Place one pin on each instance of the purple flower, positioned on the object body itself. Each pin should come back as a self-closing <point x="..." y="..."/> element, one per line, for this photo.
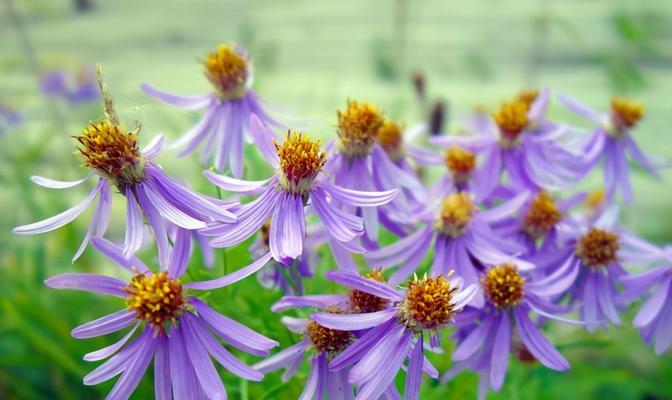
<point x="654" y="319"/>
<point x="463" y="239"/>
<point x="484" y="337"/>
<point x="79" y="88"/>
<point x="611" y="140"/>
<point x="9" y="118"/>
<point x="114" y="156"/>
<point x="358" y="162"/>
<point x="175" y="328"/>
<point x="228" y="109"/>
<point x="395" y="333"/>
<point x="519" y="140"/>
<point x="299" y="181"/>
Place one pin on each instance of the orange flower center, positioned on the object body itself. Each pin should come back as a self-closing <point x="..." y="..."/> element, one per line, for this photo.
<point x="625" y="113"/>
<point x="456" y="213"/>
<point x="542" y="215"/>
<point x="503" y="286"/>
<point x="598" y="248"/>
<point x="511" y="117"/>
<point x="301" y="159"/>
<point x="327" y="340"/>
<point x="362" y="302"/>
<point x="227" y="69"/>
<point x="156" y="299"/>
<point x="358" y="127"/>
<point x="428" y="304"/>
<point x="460" y="163"/>
<point x="390" y="139"/>
<point x="527" y="96"/>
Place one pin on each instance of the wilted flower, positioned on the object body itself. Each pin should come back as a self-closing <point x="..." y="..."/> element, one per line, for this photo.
<point x="177" y="329"/>
<point x="299" y="181"/>
<point x="114" y="156"/>
<point x="611" y="141"/>
<point x="229" y="107"/>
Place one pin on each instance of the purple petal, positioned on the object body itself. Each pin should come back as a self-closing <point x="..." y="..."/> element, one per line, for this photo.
<point x="537" y="344"/>
<point x="263" y="138"/>
<point x="500" y="355"/>
<point x="401" y="250"/>
<point x="185" y="102"/>
<point x="169" y="211"/>
<point x="182" y="376"/>
<point x="236" y="185"/>
<point x="88" y="283"/>
<point x="233" y="277"/>
<point x="316" y="300"/>
<point x="54" y="184"/>
<point x="194" y="136"/>
<point x="61" y="219"/>
<point x="162" y="384"/>
<point x="579" y="108"/>
<point x="357" y="350"/>
<point x="355" y="281"/>
<point x="605" y="300"/>
<point x="473" y="341"/>
<point x="652" y="308"/>
<point x="539" y="106"/>
<point x="111" y="349"/>
<point x="282" y="358"/>
<point x="414" y="373"/>
<point x="340" y="225"/>
<point x="359" y="198"/>
<point x="506" y="209"/>
<point x="158" y="226"/>
<point x="639" y="156"/>
<point x="353" y="322"/>
<point x="134" y="225"/>
<point x="311" y="384"/>
<point x="663" y="338"/>
<point x="104" y="325"/>
<point x="117" y="364"/>
<point x="154" y="147"/>
<point x="288" y="229"/>
<point x="179" y="259"/>
<point x="116" y="254"/>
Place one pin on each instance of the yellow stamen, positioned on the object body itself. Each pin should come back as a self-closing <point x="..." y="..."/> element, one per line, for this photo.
<point x="512" y="119"/>
<point x="456" y="213"/>
<point x="503" y="286"/>
<point x="460" y="163"/>
<point x="598" y="248"/>
<point x="527" y="96"/>
<point x="326" y="340"/>
<point x="358" y="126"/>
<point x="227" y="69"/>
<point x="155" y="298"/>
<point x="362" y="302"/>
<point x="428" y="303"/>
<point x="390" y="138"/>
<point x="595" y="199"/>
<point x="301" y="159"/>
<point x="542" y="215"/>
<point x="625" y="113"/>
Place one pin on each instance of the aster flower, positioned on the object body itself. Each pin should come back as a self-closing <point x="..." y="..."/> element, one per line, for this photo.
<point x="462" y="236"/>
<point x="487" y="336"/>
<point x="654" y="318"/>
<point x="325" y="343"/>
<point x="115" y="158"/>
<point x="9" y="118"/>
<point x="359" y="162"/>
<point x="612" y="141"/>
<point x="519" y="140"/>
<point x="396" y="332"/>
<point x="300" y="180"/>
<point x="73" y="88"/>
<point x="228" y="109"/>
<point x="168" y="323"/>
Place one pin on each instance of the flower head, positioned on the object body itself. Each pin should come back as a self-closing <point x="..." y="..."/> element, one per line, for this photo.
<point x="301" y="159"/>
<point x="625" y="113"/>
<point x="428" y="303"/>
<point x="358" y="127"/>
<point x="511" y="118"/>
<point x="503" y="286"/>
<point x="228" y="70"/>
<point x="363" y="302"/>
<point x="327" y="340"/>
<point x="598" y="248"/>
<point x="527" y="96"/>
<point x="456" y="213"/>
<point x="542" y="216"/>
<point x="155" y="298"/>
<point x="460" y="162"/>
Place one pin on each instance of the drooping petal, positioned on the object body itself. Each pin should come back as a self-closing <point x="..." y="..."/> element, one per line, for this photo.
<point x="263" y="138"/>
<point x="340" y="225"/>
<point x="116" y="254"/>
<point x="185" y="102"/>
<point x="154" y="147"/>
<point x="288" y="229"/>
<point x="235" y="185"/>
<point x="414" y="373"/>
<point x="111" y="349"/>
<point x="500" y="356"/>
<point x="537" y="344"/>
<point x="134" y="225"/>
<point x="358" y="197"/>
<point x="399" y="251"/>
<point x="169" y="211"/>
<point x="54" y="184"/>
<point x="182" y="376"/>
<point x="119" y="362"/>
<point x="357" y="350"/>
<point x="104" y="325"/>
<point x="579" y="108"/>
<point x="473" y="341"/>
<point x="353" y="322"/>
<point x="179" y="259"/>
<point x="313" y="380"/>
<point x="88" y="283"/>
<point x="355" y="281"/>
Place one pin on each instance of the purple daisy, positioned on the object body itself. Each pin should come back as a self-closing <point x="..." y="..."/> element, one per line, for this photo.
<point x="73" y="88"/>
<point x="612" y="141"/>
<point x="359" y="162"/>
<point x="300" y="180"/>
<point x="228" y="112"/>
<point x="174" y="327"/>
<point x="463" y="238"/>
<point x="114" y="156"/>
<point x="395" y="333"/>
<point x="654" y="318"/>
<point x="485" y="336"/>
<point x="519" y="140"/>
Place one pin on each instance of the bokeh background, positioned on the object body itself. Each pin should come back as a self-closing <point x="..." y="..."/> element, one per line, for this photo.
<point x="309" y="57"/>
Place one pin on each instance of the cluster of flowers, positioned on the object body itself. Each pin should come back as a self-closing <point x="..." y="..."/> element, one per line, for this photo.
<point x="508" y="254"/>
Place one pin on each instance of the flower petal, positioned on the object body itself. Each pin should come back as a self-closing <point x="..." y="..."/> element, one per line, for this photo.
<point x="54" y="184"/>
<point x="366" y="285"/>
<point x="353" y="322"/>
<point x="88" y="283"/>
<point x="185" y="102"/>
<point x="104" y="325"/>
<point x="233" y="277"/>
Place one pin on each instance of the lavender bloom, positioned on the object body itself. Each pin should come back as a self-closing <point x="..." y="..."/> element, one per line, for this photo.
<point x="9" y="118"/>
<point x="79" y="88"/>
<point x="484" y="337"/>
<point x="654" y="319"/>
<point x="113" y="154"/>
<point x="519" y="140"/>
<point x="175" y="328"/>
<point x="611" y="141"/>
<point x="396" y="332"/>
<point x="463" y="238"/>
<point x="228" y="109"/>
<point x="358" y="162"/>
<point x="299" y="181"/>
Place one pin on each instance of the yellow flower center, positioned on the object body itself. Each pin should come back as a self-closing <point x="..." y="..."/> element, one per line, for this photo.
<point x="301" y="159"/>
<point x="362" y="302"/>
<point x="460" y="163"/>
<point x="527" y="96"/>
<point x="327" y="340"/>
<point x="542" y="215"/>
<point x="428" y="304"/>
<point x="598" y="248"/>
<point x="390" y="139"/>
<point x="456" y="213"/>
<point x="112" y="151"/>
<point x="595" y="199"/>
<point x="625" y="113"/>
<point x="156" y="299"/>
<point x="227" y="69"/>
<point x="511" y="117"/>
<point x="503" y="286"/>
<point x="358" y="127"/>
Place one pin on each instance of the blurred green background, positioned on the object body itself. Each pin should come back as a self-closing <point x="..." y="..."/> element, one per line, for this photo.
<point x="309" y="57"/>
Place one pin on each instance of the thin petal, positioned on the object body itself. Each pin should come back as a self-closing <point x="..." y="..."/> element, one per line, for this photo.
<point x="116" y="254"/>
<point x="537" y="344"/>
<point x="414" y="373"/>
<point x="54" y="184"/>
<point x="233" y="277"/>
<point x="353" y="322"/>
<point x="185" y="102"/>
<point x="500" y="355"/>
<point x="104" y="325"/>
<point x="359" y="198"/>
<point x="355" y="281"/>
<point x="88" y="283"/>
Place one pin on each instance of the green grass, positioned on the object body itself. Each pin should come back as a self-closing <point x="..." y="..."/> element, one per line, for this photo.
<point x="310" y="57"/>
